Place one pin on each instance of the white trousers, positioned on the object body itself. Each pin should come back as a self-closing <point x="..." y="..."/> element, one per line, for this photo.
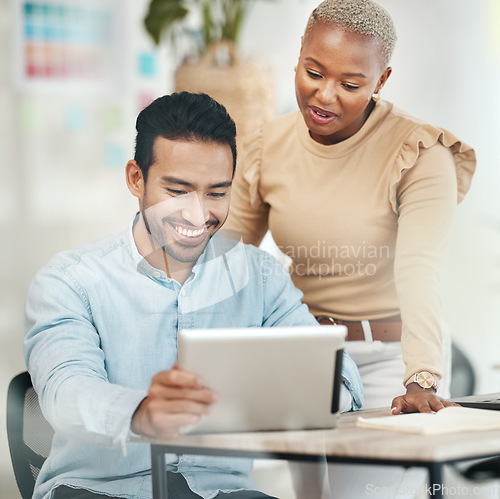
<point x="382" y="370"/>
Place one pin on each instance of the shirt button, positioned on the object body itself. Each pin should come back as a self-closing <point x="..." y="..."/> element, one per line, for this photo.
<point x="157" y="274"/>
<point x="183" y="292"/>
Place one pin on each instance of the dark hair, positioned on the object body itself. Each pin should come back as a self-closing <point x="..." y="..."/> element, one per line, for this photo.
<point x="186" y="116"/>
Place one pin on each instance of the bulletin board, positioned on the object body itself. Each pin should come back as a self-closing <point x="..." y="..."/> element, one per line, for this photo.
<point x="65" y="44"/>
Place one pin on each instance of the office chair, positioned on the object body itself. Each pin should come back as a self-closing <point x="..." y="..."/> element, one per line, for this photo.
<point x="29" y="433"/>
<point x="463" y="377"/>
<point x="463" y="382"/>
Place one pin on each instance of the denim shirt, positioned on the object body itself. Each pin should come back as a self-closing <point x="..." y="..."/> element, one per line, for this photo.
<point x="101" y="322"/>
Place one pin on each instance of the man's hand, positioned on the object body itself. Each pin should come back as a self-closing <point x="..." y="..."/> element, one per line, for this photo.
<point x="418" y="399"/>
<point x="175" y="398"/>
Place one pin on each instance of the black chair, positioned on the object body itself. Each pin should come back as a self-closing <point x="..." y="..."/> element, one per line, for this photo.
<point x="29" y="433"/>
<point x="463" y="377"/>
<point x="463" y="383"/>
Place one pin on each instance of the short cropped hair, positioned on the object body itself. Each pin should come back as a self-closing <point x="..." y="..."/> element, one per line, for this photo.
<point x="365" y="17"/>
<point x="182" y="116"/>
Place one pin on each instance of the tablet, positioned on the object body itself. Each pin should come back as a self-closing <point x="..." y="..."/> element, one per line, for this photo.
<point x="278" y="378"/>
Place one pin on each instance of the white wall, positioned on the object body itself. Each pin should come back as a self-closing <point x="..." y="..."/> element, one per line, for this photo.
<point x="55" y="193"/>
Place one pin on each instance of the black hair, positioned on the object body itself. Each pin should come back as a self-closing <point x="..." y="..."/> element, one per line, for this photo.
<point x="185" y="116"/>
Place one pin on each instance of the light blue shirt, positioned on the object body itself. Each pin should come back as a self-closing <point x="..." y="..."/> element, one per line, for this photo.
<point x="101" y="321"/>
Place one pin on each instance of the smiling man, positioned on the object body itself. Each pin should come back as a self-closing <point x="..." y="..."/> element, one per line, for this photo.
<point x="183" y="203"/>
<point x="102" y="320"/>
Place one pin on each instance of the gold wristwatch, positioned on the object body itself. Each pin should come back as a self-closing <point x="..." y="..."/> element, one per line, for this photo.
<point x="424" y="379"/>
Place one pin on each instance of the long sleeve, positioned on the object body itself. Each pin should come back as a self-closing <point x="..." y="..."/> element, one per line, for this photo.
<point x="67" y="365"/>
<point x="427" y="198"/>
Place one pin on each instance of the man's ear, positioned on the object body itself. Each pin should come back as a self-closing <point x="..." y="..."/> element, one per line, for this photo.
<point x="134" y="179"/>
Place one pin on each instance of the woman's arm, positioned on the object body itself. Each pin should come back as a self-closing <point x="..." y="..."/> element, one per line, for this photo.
<point x="427" y="198"/>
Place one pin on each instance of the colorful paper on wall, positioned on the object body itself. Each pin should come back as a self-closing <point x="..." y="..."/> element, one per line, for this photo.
<point x="112" y="118"/>
<point x="145" y="99"/>
<point x="66" y="40"/>
<point x="115" y="155"/>
<point x="147" y="64"/>
<point x="75" y="119"/>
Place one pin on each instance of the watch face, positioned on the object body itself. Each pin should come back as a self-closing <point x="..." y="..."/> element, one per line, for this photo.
<point x="425" y="379"/>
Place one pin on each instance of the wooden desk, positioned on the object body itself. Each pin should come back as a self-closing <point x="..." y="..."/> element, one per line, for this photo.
<point x="345" y="444"/>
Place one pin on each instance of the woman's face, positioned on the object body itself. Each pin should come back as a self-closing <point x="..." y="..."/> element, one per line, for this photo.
<point x="337" y="74"/>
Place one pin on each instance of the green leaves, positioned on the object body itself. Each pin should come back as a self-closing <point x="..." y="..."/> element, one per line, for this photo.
<point x="221" y="19"/>
<point x="234" y="12"/>
<point x="162" y="15"/>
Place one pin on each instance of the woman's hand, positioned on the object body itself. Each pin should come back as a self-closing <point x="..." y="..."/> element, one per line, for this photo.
<point x="176" y="398"/>
<point x="419" y="399"/>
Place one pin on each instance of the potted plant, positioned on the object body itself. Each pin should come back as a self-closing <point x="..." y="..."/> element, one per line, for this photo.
<point x="210" y="61"/>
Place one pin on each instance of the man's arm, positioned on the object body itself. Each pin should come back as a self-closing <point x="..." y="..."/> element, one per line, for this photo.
<point x="67" y="364"/>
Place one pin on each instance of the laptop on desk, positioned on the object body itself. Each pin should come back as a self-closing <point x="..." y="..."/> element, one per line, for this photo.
<point x="488" y="401"/>
<point x="279" y="378"/>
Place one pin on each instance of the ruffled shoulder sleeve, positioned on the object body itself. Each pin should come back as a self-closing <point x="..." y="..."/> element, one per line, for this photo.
<point x="424" y="136"/>
<point x="248" y="213"/>
<point x="249" y="165"/>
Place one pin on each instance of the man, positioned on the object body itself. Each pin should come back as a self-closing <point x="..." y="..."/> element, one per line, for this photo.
<point x="102" y="320"/>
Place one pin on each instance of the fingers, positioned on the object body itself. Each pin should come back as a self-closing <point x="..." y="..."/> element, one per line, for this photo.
<point x="166" y="425"/>
<point x="178" y="406"/>
<point x="409" y="403"/>
<point x="437" y="403"/>
<point x="423" y="406"/>
<point x="178" y="377"/>
<point x="421" y="401"/>
<point x="434" y="403"/>
<point x="175" y="398"/>
<point x="201" y="395"/>
<point x="449" y="403"/>
<point x="180" y="385"/>
<point x="398" y="405"/>
<point x="164" y="419"/>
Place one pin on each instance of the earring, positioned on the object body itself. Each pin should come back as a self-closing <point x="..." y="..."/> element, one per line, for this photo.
<point x="376" y="97"/>
<point x="295" y="68"/>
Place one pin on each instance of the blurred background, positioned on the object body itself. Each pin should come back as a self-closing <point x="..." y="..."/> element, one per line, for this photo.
<point x="75" y="73"/>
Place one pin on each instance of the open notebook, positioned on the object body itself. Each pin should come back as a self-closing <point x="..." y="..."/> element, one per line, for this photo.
<point x="447" y="420"/>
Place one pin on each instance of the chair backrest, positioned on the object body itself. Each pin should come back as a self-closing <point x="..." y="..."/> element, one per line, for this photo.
<point x="29" y="433"/>
<point x="463" y="377"/>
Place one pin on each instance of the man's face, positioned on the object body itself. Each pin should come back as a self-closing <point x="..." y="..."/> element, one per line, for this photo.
<point x="185" y="199"/>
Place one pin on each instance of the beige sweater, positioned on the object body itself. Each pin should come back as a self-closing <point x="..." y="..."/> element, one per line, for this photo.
<point x="365" y="221"/>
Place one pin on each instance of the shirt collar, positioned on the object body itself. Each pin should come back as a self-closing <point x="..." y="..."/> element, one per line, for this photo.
<point x="217" y="246"/>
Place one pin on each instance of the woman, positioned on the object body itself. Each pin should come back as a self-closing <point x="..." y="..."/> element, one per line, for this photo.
<point x="361" y="196"/>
